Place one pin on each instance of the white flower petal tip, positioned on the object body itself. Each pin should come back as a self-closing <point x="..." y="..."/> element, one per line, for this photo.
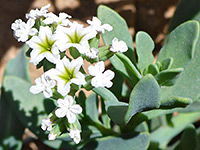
<point x="44" y="46"/>
<point x="52" y="136"/>
<point x="36" y="13"/>
<point x="75" y="135"/>
<point x="59" y="20"/>
<point x="23" y="30"/>
<point x="118" y="46"/>
<point x="66" y="73"/>
<point x="96" y="25"/>
<point x="101" y="79"/>
<point x="68" y="109"/>
<point x="43" y="84"/>
<point x="46" y="124"/>
<point x="93" y="53"/>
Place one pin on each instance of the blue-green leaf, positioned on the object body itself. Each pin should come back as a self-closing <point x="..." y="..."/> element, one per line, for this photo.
<point x="91" y="104"/>
<point x="19" y="66"/>
<point x="138" y="141"/>
<point x="29" y="108"/>
<point x="186" y="10"/>
<point x="145" y="95"/>
<point x="180" y="44"/>
<point x="168" y="77"/>
<point x="12" y="129"/>
<point x="120" y="29"/>
<point x="126" y="67"/>
<point x="188" y="139"/>
<point x="165" y="133"/>
<point x="115" y="109"/>
<point x="144" y="48"/>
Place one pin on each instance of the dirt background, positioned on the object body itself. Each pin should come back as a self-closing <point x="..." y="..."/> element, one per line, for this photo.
<point x="151" y="16"/>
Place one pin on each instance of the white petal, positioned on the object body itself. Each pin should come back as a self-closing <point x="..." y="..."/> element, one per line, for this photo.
<point x="69" y="99"/>
<point x="71" y="117"/>
<point x="108" y="84"/>
<point x="60" y="112"/>
<point x="76" y="109"/>
<point x="47" y="93"/>
<point x="107" y="27"/>
<point x="35" y="89"/>
<point x="62" y="103"/>
<point x="50" y="57"/>
<point x="52" y="137"/>
<point x="108" y="74"/>
<point x="66" y="89"/>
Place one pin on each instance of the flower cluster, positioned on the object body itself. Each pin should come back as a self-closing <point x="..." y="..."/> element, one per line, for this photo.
<point x="49" y="37"/>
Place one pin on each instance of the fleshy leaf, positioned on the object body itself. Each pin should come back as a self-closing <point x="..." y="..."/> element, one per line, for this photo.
<point x="186" y="10"/>
<point x="129" y="142"/>
<point x="29" y="108"/>
<point x="180" y="44"/>
<point x="12" y="129"/>
<point x="175" y="102"/>
<point x="188" y="139"/>
<point x="91" y="104"/>
<point x="115" y="109"/>
<point x="168" y="77"/>
<point x="145" y="95"/>
<point x="19" y="66"/>
<point x="144" y="48"/>
<point x="120" y="29"/>
<point x="167" y="63"/>
<point x="126" y="68"/>
<point x="153" y="69"/>
<point x="165" y="133"/>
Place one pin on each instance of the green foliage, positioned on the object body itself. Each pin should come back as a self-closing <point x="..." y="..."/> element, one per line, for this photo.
<point x="116" y="110"/>
<point x="11" y="128"/>
<point x="91" y="108"/>
<point x="145" y="95"/>
<point x="187" y="84"/>
<point x="129" y="141"/>
<point x="186" y="10"/>
<point x="168" y="77"/>
<point x="126" y="68"/>
<point x="180" y="44"/>
<point x="140" y="104"/>
<point x="188" y="139"/>
<point x="120" y="29"/>
<point x="144" y="48"/>
<point x="164" y="134"/>
<point x="26" y="106"/>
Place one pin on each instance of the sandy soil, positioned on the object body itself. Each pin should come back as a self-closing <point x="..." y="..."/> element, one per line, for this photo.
<point x="152" y="16"/>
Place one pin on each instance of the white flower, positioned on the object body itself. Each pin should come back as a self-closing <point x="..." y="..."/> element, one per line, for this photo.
<point x="67" y="72"/>
<point x="44" y="46"/>
<point x="118" y="46"/>
<point x="101" y="79"/>
<point x="35" y="14"/>
<point x="46" y="124"/>
<point x="16" y="24"/>
<point x="68" y="109"/>
<point x="96" y="25"/>
<point x="43" y="84"/>
<point x="93" y="53"/>
<point x="52" y="136"/>
<point x="61" y="20"/>
<point x="75" y="135"/>
<point x="23" y="30"/>
<point x="74" y="36"/>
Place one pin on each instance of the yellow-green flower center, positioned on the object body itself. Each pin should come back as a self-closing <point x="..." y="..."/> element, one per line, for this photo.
<point x="75" y="37"/>
<point x="67" y="75"/>
<point x="46" y="45"/>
